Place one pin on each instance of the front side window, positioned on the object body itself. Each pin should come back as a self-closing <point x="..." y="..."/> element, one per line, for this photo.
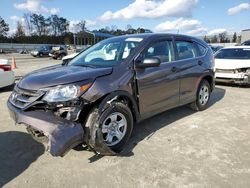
<point x="107" y="53"/>
<point x="163" y="50"/>
<point x="236" y="53"/>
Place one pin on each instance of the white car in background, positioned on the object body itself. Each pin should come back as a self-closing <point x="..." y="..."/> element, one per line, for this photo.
<point x="232" y="65"/>
<point x="7" y="76"/>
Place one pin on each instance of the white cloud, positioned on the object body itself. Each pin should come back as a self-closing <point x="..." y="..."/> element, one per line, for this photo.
<point x="217" y="31"/>
<point x="152" y="9"/>
<point x="11" y="32"/>
<point x="90" y="23"/>
<point x="35" y="6"/>
<point x="179" y="24"/>
<point x="239" y="8"/>
<point x="199" y="31"/>
<point x="15" y="18"/>
<point x="54" y="10"/>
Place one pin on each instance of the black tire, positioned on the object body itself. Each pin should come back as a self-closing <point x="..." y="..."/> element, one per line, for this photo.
<point x="197" y="105"/>
<point x="40" y="55"/>
<point x="95" y="119"/>
<point x="60" y="56"/>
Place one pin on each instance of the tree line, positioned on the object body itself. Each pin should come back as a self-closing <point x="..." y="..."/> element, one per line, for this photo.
<point x="36" y="28"/>
<point x="223" y="38"/>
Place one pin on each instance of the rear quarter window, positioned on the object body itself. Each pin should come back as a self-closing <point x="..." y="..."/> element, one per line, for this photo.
<point x="201" y="50"/>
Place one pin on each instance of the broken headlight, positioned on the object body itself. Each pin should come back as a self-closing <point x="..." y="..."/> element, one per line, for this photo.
<point x="65" y="93"/>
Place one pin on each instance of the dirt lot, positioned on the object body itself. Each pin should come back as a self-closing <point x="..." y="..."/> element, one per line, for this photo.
<point x="178" y="148"/>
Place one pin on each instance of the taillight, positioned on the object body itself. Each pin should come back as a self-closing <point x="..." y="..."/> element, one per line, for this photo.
<point x="5" y="67"/>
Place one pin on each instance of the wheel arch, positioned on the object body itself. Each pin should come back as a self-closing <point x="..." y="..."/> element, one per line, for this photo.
<point x="210" y="80"/>
<point x="208" y="77"/>
<point x="121" y="96"/>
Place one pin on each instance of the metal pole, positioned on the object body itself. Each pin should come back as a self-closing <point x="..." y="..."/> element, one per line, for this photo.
<point x="74" y="35"/>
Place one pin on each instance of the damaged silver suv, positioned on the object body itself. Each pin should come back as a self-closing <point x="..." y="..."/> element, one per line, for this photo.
<point x="97" y="97"/>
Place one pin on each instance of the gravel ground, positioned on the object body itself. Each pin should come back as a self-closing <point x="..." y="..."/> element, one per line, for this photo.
<point x="178" y="148"/>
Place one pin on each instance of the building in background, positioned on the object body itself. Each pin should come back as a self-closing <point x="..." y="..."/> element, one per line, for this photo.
<point x="245" y="35"/>
<point x="90" y="38"/>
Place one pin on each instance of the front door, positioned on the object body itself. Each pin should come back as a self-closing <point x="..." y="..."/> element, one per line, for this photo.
<point x="158" y="87"/>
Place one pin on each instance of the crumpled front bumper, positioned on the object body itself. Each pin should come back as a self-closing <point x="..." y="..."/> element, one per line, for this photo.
<point x="237" y="78"/>
<point x="62" y="134"/>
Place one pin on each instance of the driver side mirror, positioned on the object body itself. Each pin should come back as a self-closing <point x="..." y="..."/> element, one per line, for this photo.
<point x="149" y="62"/>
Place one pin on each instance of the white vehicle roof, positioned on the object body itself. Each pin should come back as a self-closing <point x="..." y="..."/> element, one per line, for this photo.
<point x="235" y="47"/>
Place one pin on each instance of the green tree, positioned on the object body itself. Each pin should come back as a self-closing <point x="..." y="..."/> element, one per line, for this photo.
<point x="82" y="25"/>
<point x="63" y="25"/>
<point x="223" y="37"/>
<point x="58" y="25"/>
<point x="214" y="39"/>
<point x="27" y="23"/>
<point x="19" y="30"/>
<point x="39" y="23"/>
<point x="206" y="39"/>
<point x="4" y="27"/>
<point x="54" y="20"/>
<point x="234" y="37"/>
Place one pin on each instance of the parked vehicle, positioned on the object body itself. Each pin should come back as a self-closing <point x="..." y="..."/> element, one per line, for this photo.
<point x="7" y="77"/>
<point x="233" y="65"/>
<point x="246" y="43"/>
<point x="42" y="51"/>
<point x="68" y="58"/>
<point x="23" y="51"/>
<point x="58" y="52"/>
<point x="97" y="97"/>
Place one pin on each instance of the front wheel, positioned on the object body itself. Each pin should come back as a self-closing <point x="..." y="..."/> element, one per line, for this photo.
<point x="202" y="96"/>
<point x="115" y="125"/>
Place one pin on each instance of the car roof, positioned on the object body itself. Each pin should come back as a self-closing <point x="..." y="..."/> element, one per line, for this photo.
<point x="152" y="35"/>
<point x="147" y="35"/>
<point x="237" y="47"/>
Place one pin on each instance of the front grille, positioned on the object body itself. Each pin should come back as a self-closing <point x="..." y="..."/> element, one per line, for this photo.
<point x="225" y="71"/>
<point x="23" y="99"/>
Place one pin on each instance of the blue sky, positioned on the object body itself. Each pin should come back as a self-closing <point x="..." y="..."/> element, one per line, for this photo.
<point x="195" y="17"/>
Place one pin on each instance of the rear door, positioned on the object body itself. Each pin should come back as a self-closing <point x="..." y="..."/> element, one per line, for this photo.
<point x="190" y="57"/>
<point x="158" y="87"/>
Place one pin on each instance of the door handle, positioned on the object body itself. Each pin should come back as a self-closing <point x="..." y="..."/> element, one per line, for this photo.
<point x="200" y="62"/>
<point x="174" y="69"/>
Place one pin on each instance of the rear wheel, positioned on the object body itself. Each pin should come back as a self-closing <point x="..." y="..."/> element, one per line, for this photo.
<point x="202" y="96"/>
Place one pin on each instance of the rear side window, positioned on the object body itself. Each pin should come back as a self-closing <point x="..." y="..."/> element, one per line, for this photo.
<point x="236" y="53"/>
<point x="163" y="50"/>
<point x="187" y="50"/>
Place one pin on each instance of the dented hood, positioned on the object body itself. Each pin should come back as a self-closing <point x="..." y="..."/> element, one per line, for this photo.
<point x="232" y="63"/>
<point x="60" y="75"/>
